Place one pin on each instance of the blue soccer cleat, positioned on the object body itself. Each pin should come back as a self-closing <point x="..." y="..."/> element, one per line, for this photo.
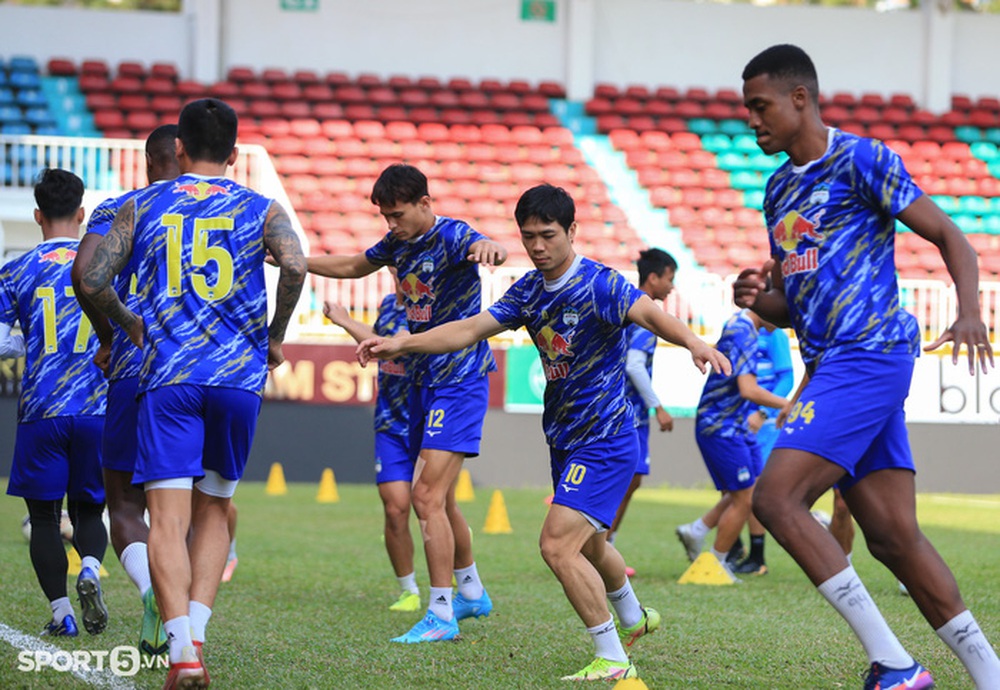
<point x="430" y="629"/>
<point x="66" y="628"/>
<point x="884" y="678"/>
<point x="94" y="612"/>
<point x="471" y="608"/>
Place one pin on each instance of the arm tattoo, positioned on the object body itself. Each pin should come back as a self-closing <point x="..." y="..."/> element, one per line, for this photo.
<point x="110" y="257"/>
<point x="283" y="243"/>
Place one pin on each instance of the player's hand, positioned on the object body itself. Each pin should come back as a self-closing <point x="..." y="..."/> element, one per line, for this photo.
<point x="274" y="354"/>
<point x="487" y="253"/>
<point x="102" y="359"/>
<point x="755" y="422"/>
<point x="136" y="331"/>
<point x="750" y="283"/>
<point x="335" y="312"/>
<point x="270" y="260"/>
<point x="970" y="331"/>
<point x="704" y="354"/>
<point x="665" y="420"/>
<point x="782" y="417"/>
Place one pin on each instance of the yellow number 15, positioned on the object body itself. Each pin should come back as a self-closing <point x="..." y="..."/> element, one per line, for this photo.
<point x="201" y="254"/>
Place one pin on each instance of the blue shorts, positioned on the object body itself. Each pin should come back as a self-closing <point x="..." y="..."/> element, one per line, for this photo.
<point x="56" y="457"/>
<point x="119" y="445"/>
<point x="393" y="462"/>
<point x="186" y="429"/>
<point x="642" y="466"/>
<point x="734" y="462"/>
<point x="594" y="478"/>
<point x="851" y="413"/>
<point x="766" y="437"/>
<point x="448" y="417"/>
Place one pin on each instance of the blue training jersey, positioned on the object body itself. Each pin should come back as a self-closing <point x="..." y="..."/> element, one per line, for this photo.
<point x="60" y="379"/>
<point x="578" y="325"/>
<point x="439" y="285"/>
<point x="722" y="411"/>
<point x="832" y="230"/>
<point x="638" y="338"/>
<point x="392" y="411"/>
<point x="199" y="248"/>
<point x="774" y="365"/>
<point x="126" y="358"/>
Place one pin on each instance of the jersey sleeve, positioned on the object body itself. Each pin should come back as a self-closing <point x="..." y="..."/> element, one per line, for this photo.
<point x="885" y="183"/>
<point x="458" y="243"/>
<point x="613" y="297"/>
<point x="743" y="351"/>
<point x="102" y="217"/>
<point x="381" y="254"/>
<point x="508" y="309"/>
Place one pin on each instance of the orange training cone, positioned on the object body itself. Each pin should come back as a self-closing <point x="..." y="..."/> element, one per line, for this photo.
<point x="497" y="521"/>
<point x="276" y="481"/>
<point x="327" y="488"/>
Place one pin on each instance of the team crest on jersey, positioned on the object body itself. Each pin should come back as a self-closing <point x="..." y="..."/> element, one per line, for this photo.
<point x="820" y="195"/>
<point x="427" y="265"/>
<point x="570" y="317"/>
<point x="59" y="255"/>
<point x="200" y="190"/>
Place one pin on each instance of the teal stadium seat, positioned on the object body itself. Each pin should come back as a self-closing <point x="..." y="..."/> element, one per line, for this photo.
<point x="968" y="133"/>
<point x="947" y="203"/>
<point x="733" y="127"/>
<point x="702" y="126"/>
<point x="716" y="143"/>
<point x="984" y="150"/>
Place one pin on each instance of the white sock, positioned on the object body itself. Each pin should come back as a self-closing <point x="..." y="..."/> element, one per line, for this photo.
<point x="721" y="555"/>
<point x="606" y="642"/>
<point x="848" y="595"/>
<point x="135" y="560"/>
<point x="963" y="635"/>
<point x="178" y="636"/>
<point x="699" y="529"/>
<point x="93" y="564"/>
<point x="611" y="537"/>
<point x="626" y="605"/>
<point x="469" y="584"/>
<point x="61" y="608"/>
<point x="408" y="583"/>
<point x="440" y="603"/>
<point x="232" y="550"/>
<point x="199" y="615"/>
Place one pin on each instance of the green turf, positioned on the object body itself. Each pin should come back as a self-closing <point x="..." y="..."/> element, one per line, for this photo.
<point x="307" y="607"/>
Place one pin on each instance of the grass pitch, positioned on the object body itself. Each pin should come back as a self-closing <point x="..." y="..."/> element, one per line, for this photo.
<point x="308" y="605"/>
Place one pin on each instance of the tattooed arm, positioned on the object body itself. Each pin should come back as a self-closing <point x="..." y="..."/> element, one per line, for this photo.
<point x="109" y="258"/>
<point x="281" y="240"/>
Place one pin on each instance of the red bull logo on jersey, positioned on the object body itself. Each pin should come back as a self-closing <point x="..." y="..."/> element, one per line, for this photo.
<point x="789" y="233"/>
<point x="391" y="367"/>
<point x="554" y="345"/>
<point x="60" y="255"/>
<point x="415" y="290"/>
<point x="200" y="190"/>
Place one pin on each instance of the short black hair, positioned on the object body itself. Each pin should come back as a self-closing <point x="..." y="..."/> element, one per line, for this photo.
<point x="785" y="63"/>
<point x="654" y="262"/>
<point x="547" y="203"/>
<point x="207" y="128"/>
<point x="160" y="145"/>
<point x="399" y="184"/>
<point x="58" y="193"/>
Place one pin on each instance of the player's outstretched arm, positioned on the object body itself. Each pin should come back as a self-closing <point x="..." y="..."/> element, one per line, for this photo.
<point x="281" y="240"/>
<point x="487" y="253"/>
<point x="763" y="290"/>
<point x="927" y="220"/>
<point x="448" y="337"/>
<point x="645" y="313"/>
<point x="755" y="393"/>
<point x="339" y="315"/>
<point x="109" y="258"/>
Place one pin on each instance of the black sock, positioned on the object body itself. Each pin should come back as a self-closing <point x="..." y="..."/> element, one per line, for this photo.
<point x="756" y="548"/>
<point x="48" y="555"/>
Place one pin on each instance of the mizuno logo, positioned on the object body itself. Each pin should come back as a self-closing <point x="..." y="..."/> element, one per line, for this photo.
<point x="567" y="488"/>
<point x="432" y="434"/>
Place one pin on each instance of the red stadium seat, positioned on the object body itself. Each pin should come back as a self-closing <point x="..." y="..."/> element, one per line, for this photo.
<point x="95" y="68"/>
<point x="61" y="67"/>
<point x="163" y="70"/>
<point x="130" y="69"/>
<point x="240" y="74"/>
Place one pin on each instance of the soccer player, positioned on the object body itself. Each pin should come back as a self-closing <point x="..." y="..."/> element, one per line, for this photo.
<point x="728" y="446"/>
<point x="120" y="360"/>
<point x="198" y="244"/>
<point x="61" y="408"/>
<point x="576" y="311"/>
<point x="393" y="460"/>
<point x="656" y="278"/>
<point x="437" y="261"/>
<point x="831" y="211"/>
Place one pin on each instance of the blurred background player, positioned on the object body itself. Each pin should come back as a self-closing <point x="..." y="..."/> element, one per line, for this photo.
<point x="728" y="446"/>
<point x="120" y="360"/>
<point x="576" y="312"/>
<point x="199" y="244"/>
<point x="57" y="450"/>
<point x="231" y="559"/>
<point x="437" y="260"/>
<point x="393" y="460"/>
<point x="656" y="278"/>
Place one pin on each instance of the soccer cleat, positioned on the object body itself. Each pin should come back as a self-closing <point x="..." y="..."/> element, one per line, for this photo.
<point x="750" y="567"/>
<point x="430" y="629"/>
<point x="469" y="608"/>
<point x="153" y="638"/>
<point x="94" y="612"/>
<point x="231" y="564"/>
<point x="408" y="602"/>
<point x="647" y="625"/>
<point x="691" y="543"/>
<point x="736" y="553"/>
<point x="902" y="589"/>
<point x="65" y="628"/>
<point x="605" y="669"/>
<point x="201" y="657"/>
<point x="884" y="678"/>
<point x="187" y="674"/>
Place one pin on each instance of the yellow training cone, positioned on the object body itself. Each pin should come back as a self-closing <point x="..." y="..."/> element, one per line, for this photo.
<point x="327" y="488"/>
<point x="497" y="521"/>
<point x="76" y="565"/>
<point x="707" y="570"/>
<point x="276" y="481"/>
<point x="630" y="684"/>
<point x="463" y="489"/>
